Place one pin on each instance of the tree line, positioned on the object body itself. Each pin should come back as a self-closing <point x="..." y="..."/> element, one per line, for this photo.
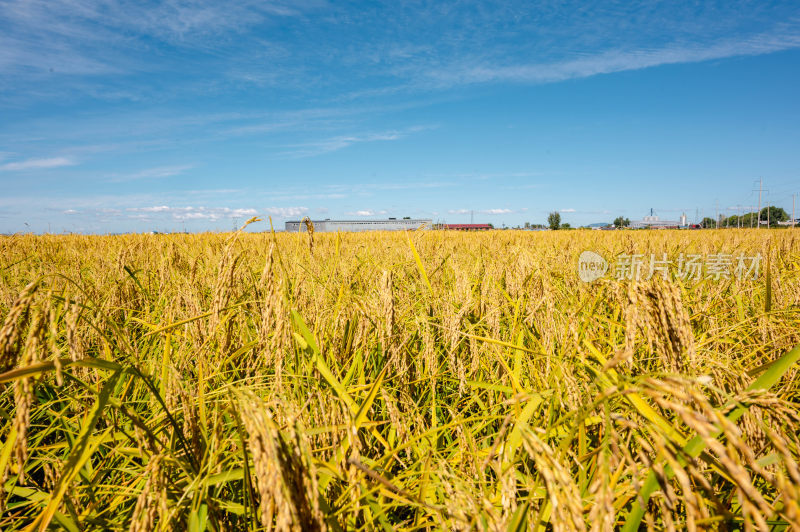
<point x="769" y="216"/>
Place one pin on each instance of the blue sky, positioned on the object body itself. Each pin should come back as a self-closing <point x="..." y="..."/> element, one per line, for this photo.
<point x="123" y="115"/>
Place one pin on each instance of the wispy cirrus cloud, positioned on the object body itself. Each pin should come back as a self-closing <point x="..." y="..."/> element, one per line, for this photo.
<point x="339" y="142"/>
<point x="616" y="60"/>
<point x="158" y="172"/>
<point x="37" y="164"/>
<point x="89" y="38"/>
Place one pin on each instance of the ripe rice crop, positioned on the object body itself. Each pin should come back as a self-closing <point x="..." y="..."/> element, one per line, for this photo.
<point x="429" y="380"/>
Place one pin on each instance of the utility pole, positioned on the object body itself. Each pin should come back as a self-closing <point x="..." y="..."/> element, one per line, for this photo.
<point x="760" y="188"/>
<point x="767" y="215"/>
<point x="717" y="207"/>
<point x="793" y="195"/>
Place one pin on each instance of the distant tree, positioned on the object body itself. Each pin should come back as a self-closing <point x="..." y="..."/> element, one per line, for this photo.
<point x="708" y="223"/>
<point x="619" y="221"/>
<point x="527" y="225"/>
<point x="554" y="220"/>
<point x="490" y="226"/>
<point x="749" y="219"/>
<point x="773" y="215"/>
<point x="566" y="226"/>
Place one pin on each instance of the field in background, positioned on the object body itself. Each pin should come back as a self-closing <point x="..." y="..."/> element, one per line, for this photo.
<point x="397" y="381"/>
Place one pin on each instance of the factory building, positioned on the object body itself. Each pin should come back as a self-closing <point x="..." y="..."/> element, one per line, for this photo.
<point x="392" y="224"/>
<point x="654" y="222"/>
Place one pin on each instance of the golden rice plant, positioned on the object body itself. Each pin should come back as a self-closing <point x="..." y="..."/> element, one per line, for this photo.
<point x="396" y="381"/>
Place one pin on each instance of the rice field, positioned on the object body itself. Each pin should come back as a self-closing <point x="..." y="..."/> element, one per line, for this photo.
<point x="398" y="381"/>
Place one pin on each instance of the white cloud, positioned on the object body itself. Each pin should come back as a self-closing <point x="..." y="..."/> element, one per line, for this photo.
<point x="286" y="212"/>
<point x="567" y="210"/>
<point x="196" y="213"/>
<point x="496" y="211"/>
<point x="37" y="164"/>
<point x="158" y="208"/>
<point x="244" y="212"/>
<point x="70" y="211"/>
<point x="458" y="211"/>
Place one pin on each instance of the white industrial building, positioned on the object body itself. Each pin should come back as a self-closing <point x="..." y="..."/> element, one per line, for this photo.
<point x="654" y="222"/>
<point x="392" y="224"/>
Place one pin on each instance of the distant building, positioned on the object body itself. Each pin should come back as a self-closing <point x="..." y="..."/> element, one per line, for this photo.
<point x="654" y="222"/>
<point x="392" y="224"/>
